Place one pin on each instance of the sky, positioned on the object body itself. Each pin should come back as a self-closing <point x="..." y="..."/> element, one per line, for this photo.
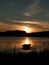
<point x="24" y="15"/>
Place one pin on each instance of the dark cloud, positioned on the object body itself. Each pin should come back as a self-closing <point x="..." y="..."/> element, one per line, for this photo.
<point x="14" y="9"/>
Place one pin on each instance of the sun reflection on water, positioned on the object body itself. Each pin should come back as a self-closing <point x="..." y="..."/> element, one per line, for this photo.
<point x="27" y="41"/>
<point x="37" y="44"/>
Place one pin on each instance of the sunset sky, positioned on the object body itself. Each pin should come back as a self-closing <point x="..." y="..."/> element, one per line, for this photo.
<point x="26" y="15"/>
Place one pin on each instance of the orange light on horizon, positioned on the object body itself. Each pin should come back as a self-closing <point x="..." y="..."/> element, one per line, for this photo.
<point x="27" y="29"/>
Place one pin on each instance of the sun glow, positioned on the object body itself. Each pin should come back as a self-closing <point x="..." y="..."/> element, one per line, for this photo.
<point x="27" y="29"/>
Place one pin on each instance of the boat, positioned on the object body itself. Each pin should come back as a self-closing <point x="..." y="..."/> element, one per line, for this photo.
<point x="26" y="46"/>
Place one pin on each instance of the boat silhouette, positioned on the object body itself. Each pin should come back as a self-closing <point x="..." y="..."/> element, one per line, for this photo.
<point x="26" y="46"/>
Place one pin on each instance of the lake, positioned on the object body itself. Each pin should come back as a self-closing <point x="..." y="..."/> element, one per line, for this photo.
<point x="14" y="44"/>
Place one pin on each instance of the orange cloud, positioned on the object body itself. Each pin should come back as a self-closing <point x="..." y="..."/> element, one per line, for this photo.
<point x="33" y="26"/>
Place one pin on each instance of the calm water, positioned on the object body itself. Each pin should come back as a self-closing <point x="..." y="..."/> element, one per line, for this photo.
<point x="11" y="44"/>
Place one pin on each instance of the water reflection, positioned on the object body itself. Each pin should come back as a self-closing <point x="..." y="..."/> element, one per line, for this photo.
<point x="26" y="41"/>
<point x="15" y="44"/>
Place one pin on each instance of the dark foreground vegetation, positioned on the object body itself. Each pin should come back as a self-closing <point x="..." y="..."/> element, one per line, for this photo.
<point x="25" y="58"/>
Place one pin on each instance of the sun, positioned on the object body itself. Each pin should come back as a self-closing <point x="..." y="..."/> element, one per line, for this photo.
<point x="27" y="29"/>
